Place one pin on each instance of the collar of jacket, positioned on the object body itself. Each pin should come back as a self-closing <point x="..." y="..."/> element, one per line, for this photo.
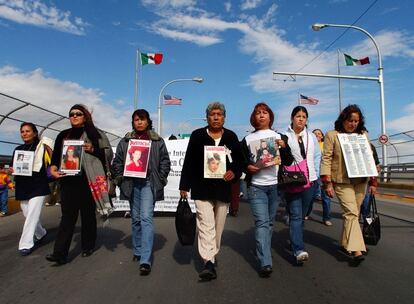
<point x="151" y="134"/>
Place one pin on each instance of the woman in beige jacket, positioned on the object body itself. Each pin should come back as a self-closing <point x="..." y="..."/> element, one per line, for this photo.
<point x="350" y="191"/>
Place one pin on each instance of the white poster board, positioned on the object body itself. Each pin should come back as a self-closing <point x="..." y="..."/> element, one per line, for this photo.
<point x="214" y="161"/>
<point x="23" y="163"/>
<point x="358" y="156"/>
<point x="71" y="158"/>
<point x="264" y="152"/>
<point x="136" y="162"/>
<point x="176" y="150"/>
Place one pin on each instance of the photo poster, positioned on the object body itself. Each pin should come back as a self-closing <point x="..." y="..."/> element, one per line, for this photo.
<point x="176" y="150"/>
<point x="136" y="162"/>
<point x="357" y="154"/>
<point x="264" y="152"/>
<point x="23" y="163"/>
<point x="214" y="161"/>
<point x="71" y="158"/>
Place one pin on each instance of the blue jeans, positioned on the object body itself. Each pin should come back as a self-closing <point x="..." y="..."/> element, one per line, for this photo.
<point x="263" y="201"/>
<point x="298" y="204"/>
<point x="365" y="206"/>
<point x="3" y="200"/>
<point x="142" y="211"/>
<point x="326" y="206"/>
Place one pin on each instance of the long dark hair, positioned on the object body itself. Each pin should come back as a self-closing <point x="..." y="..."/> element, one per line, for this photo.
<point x="264" y="106"/>
<point x="89" y="126"/>
<point x="296" y="110"/>
<point x="33" y="127"/>
<point x="142" y="114"/>
<point x="346" y="114"/>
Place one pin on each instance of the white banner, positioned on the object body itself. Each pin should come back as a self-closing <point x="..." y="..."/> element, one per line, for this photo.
<point x="176" y="150"/>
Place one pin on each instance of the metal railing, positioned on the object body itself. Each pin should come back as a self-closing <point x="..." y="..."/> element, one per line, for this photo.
<point x="398" y="173"/>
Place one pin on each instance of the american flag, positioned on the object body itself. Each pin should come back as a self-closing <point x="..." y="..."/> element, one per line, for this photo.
<point x="308" y="100"/>
<point x="171" y="100"/>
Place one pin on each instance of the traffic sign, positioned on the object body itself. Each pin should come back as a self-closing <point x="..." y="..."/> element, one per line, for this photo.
<point x="383" y="139"/>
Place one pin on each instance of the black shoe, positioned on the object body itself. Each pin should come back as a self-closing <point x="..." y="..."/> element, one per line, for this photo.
<point x="136" y="258"/>
<point x="37" y="241"/>
<point x="145" y="269"/>
<point x="265" y="271"/>
<point x="58" y="260"/>
<point x="208" y="273"/>
<point x="86" y="253"/>
<point x="233" y="213"/>
<point x="25" y="252"/>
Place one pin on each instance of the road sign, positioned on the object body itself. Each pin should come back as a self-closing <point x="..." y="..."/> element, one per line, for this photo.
<point x="383" y="139"/>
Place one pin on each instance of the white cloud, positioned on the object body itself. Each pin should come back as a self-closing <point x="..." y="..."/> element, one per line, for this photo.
<point x="39" y="14"/>
<point x="168" y="3"/>
<point x="404" y="122"/>
<point x="58" y="96"/>
<point x="390" y="43"/>
<point x="227" y="6"/>
<point x="250" y="4"/>
<point x="201" y="40"/>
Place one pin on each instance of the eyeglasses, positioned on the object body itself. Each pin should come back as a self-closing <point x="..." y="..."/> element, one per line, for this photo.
<point x="75" y="114"/>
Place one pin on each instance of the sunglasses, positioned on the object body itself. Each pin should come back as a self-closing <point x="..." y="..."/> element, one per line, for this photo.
<point x="75" y="114"/>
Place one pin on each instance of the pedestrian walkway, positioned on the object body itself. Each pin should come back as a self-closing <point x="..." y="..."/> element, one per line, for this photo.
<point x="110" y="276"/>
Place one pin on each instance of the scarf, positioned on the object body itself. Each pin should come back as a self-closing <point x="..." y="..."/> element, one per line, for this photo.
<point x="95" y="173"/>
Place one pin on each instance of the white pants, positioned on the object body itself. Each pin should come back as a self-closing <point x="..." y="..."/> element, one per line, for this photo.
<point x="211" y="217"/>
<point x="31" y="210"/>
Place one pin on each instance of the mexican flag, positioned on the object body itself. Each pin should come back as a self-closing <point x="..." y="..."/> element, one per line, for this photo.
<point x="352" y="61"/>
<point x="151" y="58"/>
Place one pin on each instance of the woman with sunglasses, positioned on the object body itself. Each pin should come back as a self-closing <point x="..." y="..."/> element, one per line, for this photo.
<point x="81" y="192"/>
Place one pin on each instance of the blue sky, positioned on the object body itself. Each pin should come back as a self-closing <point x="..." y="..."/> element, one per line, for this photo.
<point x="57" y="53"/>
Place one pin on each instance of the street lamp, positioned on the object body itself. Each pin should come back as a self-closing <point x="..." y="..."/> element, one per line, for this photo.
<point x="319" y="26"/>
<point x="195" y="79"/>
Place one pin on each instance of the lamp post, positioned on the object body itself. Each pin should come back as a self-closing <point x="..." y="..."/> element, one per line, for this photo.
<point x="195" y="79"/>
<point x="319" y="26"/>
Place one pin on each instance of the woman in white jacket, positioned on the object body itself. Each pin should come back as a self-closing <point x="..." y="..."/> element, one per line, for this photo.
<point x="304" y="146"/>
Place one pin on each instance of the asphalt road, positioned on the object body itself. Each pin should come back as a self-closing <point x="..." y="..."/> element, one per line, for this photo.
<point x="109" y="275"/>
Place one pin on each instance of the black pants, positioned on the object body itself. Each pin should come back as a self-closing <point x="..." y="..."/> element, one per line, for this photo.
<point x="75" y="196"/>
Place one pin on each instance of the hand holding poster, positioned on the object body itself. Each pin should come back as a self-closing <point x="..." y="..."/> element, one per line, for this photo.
<point x="214" y="161"/>
<point x="23" y="163"/>
<point x="264" y="152"/>
<point x="71" y="157"/>
<point x="136" y="163"/>
<point x="357" y="154"/>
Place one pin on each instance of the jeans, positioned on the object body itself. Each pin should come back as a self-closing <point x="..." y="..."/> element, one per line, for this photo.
<point x="263" y="201"/>
<point x="3" y="200"/>
<point x="298" y="204"/>
<point x="326" y="206"/>
<point x="142" y="211"/>
<point x="365" y="206"/>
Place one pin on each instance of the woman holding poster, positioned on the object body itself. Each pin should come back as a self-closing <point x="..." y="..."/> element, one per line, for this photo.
<point x="85" y="192"/>
<point x="140" y="168"/>
<point x="32" y="190"/>
<point x="262" y="182"/>
<point x="350" y="191"/>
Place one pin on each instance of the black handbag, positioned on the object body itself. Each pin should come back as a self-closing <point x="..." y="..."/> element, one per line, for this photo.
<point x="292" y="178"/>
<point x="371" y="229"/>
<point x="185" y="223"/>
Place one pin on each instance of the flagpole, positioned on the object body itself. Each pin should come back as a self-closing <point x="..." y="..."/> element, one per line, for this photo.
<point x="298" y="99"/>
<point x="136" y="82"/>
<point x="339" y="85"/>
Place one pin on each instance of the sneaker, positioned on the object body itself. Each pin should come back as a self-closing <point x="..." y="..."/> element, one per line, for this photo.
<point x="145" y="269"/>
<point x="209" y="272"/>
<point x="302" y="257"/>
<point x="241" y="194"/>
<point x="265" y="271"/>
<point x="3" y="214"/>
<point x="328" y="223"/>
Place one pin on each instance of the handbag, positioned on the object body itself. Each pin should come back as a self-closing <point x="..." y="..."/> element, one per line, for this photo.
<point x="295" y="178"/>
<point x="185" y="223"/>
<point x="371" y="229"/>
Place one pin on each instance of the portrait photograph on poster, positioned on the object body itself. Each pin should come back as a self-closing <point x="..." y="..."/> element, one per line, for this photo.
<point x="23" y="163"/>
<point x="214" y="161"/>
<point x="71" y="157"/>
<point x="136" y="163"/>
<point x="264" y="152"/>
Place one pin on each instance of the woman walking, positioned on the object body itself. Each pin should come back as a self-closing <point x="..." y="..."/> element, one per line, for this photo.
<point x="262" y="183"/>
<point x="305" y="149"/>
<point x="142" y="193"/>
